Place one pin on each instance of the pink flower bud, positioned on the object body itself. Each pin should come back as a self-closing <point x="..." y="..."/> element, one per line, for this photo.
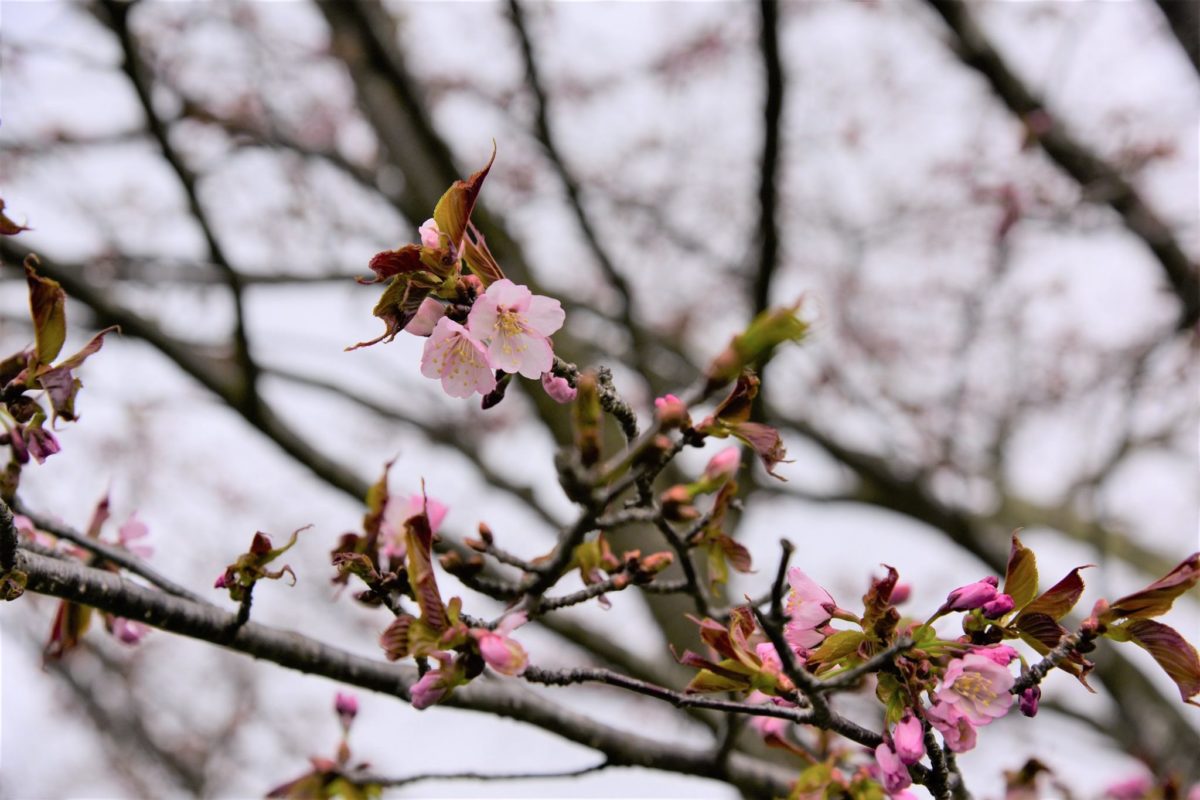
<point x="426" y="319"/>
<point x="724" y="465"/>
<point x="430" y="235"/>
<point x="971" y="596"/>
<point x="428" y="690"/>
<point x="671" y="411"/>
<point x="908" y="738"/>
<point x="900" y="593"/>
<point x="127" y="631"/>
<point x="501" y="653"/>
<point x="221" y="581"/>
<point x="1002" y="654"/>
<point x="346" y="706"/>
<point x="1028" y="702"/>
<point x="999" y="607"/>
<point x="559" y="389"/>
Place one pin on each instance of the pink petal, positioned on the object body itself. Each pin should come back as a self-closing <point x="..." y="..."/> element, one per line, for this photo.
<point x="509" y="295"/>
<point x="559" y="390"/>
<point x="428" y="314"/>
<point x="545" y="315"/>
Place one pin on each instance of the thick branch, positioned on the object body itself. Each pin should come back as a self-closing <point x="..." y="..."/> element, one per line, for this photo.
<point x="1099" y="179"/>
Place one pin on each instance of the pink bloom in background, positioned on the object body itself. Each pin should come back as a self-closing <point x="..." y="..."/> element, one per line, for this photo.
<point x="427" y="316"/>
<point x="127" y="631"/>
<point x="956" y="729"/>
<point x="724" y="465"/>
<point x="430" y="234"/>
<point x="516" y="325"/>
<point x="908" y="739"/>
<point x="971" y="596"/>
<point x="461" y="362"/>
<point x="1134" y="788"/>
<point x="559" y="390"/>
<point x="397" y="511"/>
<point x="41" y="443"/>
<point x="809" y="609"/>
<point x="892" y="772"/>
<point x="977" y="687"/>
<point x="346" y="706"/>
<point x="501" y="653"/>
<point x="900" y="593"/>
<point x="129" y="533"/>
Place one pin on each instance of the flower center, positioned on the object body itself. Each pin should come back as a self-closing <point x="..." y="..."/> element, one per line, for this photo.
<point x="976" y="688"/>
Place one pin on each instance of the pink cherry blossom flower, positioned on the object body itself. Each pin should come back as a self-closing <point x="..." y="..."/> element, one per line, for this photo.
<point x="431" y="236"/>
<point x="809" y="609"/>
<point x="971" y="596"/>
<point x="892" y="772"/>
<point x="427" y="316"/>
<point x="1002" y="654"/>
<point x="957" y="731"/>
<point x="453" y="355"/>
<point x="978" y="687"/>
<point x="128" y="631"/>
<point x="130" y="532"/>
<point x="724" y="465"/>
<point x="908" y="739"/>
<point x="559" y="389"/>
<point x="399" y="509"/>
<point x="516" y="325"/>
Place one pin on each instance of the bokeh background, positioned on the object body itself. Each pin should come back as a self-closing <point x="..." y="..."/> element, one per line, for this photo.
<point x="996" y="345"/>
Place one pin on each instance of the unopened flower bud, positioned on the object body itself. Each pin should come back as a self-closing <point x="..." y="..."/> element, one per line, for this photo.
<point x="971" y="596"/>
<point x="724" y="465"/>
<point x="656" y="562"/>
<point x="1028" y="702"/>
<point x="559" y="390"/>
<point x="909" y="739"/>
<point x="677" y="504"/>
<point x="998" y="607"/>
<point x="900" y="593"/>
<point x="346" y="706"/>
<point x="671" y="412"/>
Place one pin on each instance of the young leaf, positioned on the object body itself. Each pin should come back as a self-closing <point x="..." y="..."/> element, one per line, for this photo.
<point x="453" y="210"/>
<point x="1157" y="598"/>
<point x="419" y="538"/>
<point x="47" y="303"/>
<point x="1021" y="576"/>
<point x="1059" y="599"/>
<point x="1177" y="658"/>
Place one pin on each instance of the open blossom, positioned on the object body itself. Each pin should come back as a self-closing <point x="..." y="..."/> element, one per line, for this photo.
<point x="559" y="389"/>
<point x="957" y="731"/>
<point x="978" y="687"/>
<point x="908" y="739"/>
<point x="461" y="362"/>
<point x="430" y="235"/>
<point x="129" y="534"/>
<point x="516" y="325"/>
<point x="809" y="609"/>
<point x="399" y="509"/>
<point x="892" y="772"/>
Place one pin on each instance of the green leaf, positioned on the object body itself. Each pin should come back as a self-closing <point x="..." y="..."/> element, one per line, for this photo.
<point x="1021" y="576"/>
<point x="836" y="647"/>
<point x="1059" y="599"/>
<point x="1157" y="598"/>
<point x="47" y="304"/>
<point x="399" y="303"/>
<point x="1172" y="652"/>
<point x="755" y="346"/>
<point x="707" y="682"/>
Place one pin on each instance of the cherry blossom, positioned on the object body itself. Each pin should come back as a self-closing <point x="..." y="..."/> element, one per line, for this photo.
<point x="559" y="389"/>
<point x="892" y="772"/>
<point x="977" y="687"/>
<point x="431" y="236"/>
<point x="426" y="319"/>
<point x="399" y="509"/>
<point x="908" y="739"/>
<point x="809" y="609"/>
<point x="516" y="325"/>
<point x="957" y="731"/>
<point x="458" y="359"/>
<point x="501" y="653"/>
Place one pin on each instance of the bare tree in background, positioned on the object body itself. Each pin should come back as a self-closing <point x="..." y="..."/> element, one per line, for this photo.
<point x="1001" y="254"/>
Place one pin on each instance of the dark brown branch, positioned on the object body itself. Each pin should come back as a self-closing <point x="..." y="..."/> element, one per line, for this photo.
<point x="392" y="783"/>
<point x="109" y="592"/>
<point x="1099" y="179"/>
<point x="768" y="189"/>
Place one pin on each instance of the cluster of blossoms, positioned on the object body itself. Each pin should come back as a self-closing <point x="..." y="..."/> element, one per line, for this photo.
<point x="481" y="327"/>
<point x="948" y="687"/>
